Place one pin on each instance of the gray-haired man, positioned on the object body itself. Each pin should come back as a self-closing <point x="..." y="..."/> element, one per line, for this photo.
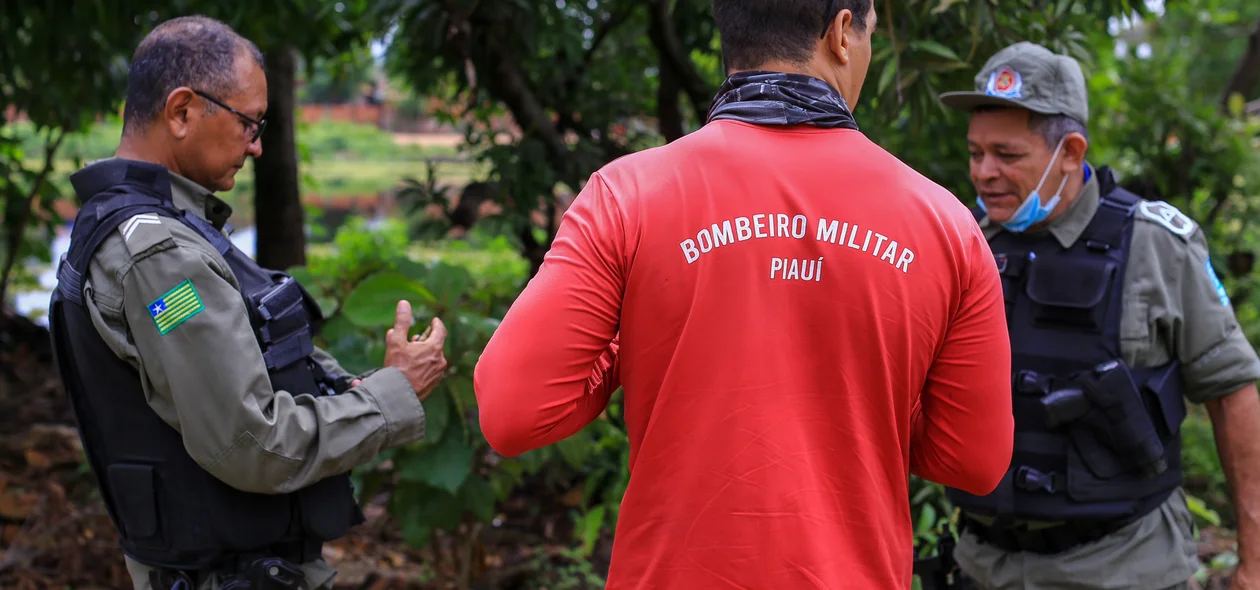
<point x="220" y="436"/>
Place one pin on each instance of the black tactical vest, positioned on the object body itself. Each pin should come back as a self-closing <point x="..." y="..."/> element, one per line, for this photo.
<point x="170" y="512"/>
<point x="1094" y="438"/>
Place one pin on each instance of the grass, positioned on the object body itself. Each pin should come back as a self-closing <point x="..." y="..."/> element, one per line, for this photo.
<point x="347" y="161"/>
<point x="331" y="177"/>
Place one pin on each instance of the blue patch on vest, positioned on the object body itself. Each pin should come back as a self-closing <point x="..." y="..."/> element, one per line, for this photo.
<point x="1216" y="282"/>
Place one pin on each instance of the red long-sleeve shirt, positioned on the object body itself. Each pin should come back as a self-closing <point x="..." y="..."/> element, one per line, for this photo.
<point x="799" y="321"/>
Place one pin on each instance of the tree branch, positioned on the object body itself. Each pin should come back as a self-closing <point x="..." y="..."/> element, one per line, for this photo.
<point x="23" y="215"/>
<point x="665" y="38"/>
<point x="1247" y="74"/>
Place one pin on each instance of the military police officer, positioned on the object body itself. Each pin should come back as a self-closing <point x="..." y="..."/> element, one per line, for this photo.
<point x="1115" y="317"/>
<point x="220" y="436"/>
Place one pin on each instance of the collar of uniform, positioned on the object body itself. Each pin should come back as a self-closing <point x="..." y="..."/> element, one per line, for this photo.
<point x="101" y="174"/>
<point x="194" y="197"/>
<point x="1068" y="226"/>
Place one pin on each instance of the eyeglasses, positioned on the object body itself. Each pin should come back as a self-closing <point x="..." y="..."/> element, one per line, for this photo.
<point x="832" y="11"/>
<point x="259" y="125"/>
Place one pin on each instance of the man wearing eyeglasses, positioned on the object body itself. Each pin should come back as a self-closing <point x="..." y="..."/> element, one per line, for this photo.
<point x="220" y="436"/>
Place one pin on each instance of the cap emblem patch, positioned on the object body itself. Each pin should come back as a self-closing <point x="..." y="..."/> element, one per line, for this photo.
<point x="1005" y="83"/>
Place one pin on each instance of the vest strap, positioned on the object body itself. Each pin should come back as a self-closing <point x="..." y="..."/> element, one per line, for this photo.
<point x="207" y="231"/>
<point x="1107" y="229"/>
<point x="280" y="300"/>
<point x="292" y="348"/>
<point x="69" y="282"/>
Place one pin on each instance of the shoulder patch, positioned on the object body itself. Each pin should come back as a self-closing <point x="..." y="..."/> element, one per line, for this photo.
<point x="1216" y="282"/>
<point x="175" y="307"/>
<point x="1168" y="216"/>
<point x="144" y="231"/>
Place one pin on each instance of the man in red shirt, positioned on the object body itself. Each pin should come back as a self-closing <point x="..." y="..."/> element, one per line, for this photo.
<point x="798" y="320"/>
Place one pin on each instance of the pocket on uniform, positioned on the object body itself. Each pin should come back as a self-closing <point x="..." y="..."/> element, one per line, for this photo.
<point x="134" y="488"/>
<point x="1165" y="393"/>
<point x="1070" y="292"/>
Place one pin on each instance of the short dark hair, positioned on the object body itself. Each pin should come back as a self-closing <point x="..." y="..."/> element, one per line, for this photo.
<point x="754" y="32"/>
<point x="1051" y="128"/>
<point x="193" y="51"/>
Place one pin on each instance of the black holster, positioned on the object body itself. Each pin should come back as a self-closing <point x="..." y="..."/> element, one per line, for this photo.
<point x="1120" y="421"/>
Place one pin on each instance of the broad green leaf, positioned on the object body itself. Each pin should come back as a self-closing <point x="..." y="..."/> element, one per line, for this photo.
<point x="927" y="518"/>
<point x="415" y="532"/>
<point x="448" y="283"/>
<point x="934" y="48"/>
<point x="444" y="466"/>
<point x="440" y="508"/>
<point x="338" y="327"/>
<point x="886" y="78"/>
<point x="437" y="413"/>
<point x="463" y="393"/>
<point x="479" y="498"/>
<point x="427" y="506"/>
<point x="944" y="5"/>
<point x="302" y="275"/>
<point x="372" y="303"/>
<point x="1200" y="509"/>
<point x="591" y="524"/>
<point x="576" y="449"/>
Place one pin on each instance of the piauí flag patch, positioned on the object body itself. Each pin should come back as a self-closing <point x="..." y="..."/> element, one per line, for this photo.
<point x="175" y="307"/>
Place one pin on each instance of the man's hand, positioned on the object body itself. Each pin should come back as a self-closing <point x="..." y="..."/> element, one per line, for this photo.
<point x="1244" y="578"/>
<point x="420" y="360"/>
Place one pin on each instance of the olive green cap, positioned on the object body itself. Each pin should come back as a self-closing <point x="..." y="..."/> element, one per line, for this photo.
<point x="1029" y="76"/>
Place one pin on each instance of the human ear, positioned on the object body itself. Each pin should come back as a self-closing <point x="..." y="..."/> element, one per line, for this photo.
<point x="838" y="36"/>
<point x="1074" y="147"/>
<point x="178" y="112"/>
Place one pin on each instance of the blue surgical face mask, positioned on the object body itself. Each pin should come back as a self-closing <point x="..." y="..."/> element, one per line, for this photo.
<point x="1032" y="211"/>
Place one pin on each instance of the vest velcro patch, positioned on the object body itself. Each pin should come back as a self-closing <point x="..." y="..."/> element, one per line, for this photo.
<point x="175" y="307"/>
<point x="1168" y="216"/>
<point x="142" y="232"/>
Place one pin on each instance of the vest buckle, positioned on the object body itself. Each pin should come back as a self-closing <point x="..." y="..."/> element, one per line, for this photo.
<point x="1027" y="382"/>
<point x="165" y="579"/>
<point x="1033" y="480"/>
<point x="1097" y="245"/>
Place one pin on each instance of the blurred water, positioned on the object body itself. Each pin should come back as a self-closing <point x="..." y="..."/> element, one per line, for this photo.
<point x="34" y="304"/>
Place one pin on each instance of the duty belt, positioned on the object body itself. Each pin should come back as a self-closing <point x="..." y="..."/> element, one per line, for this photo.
<point x="1046" y="541"/>
<point x="295" y="553"/>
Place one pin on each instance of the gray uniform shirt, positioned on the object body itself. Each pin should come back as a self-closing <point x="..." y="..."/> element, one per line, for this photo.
<point x="1173" y="307"/>
<point x="204" y="374"/>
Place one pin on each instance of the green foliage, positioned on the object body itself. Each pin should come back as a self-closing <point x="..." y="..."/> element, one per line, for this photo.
<point x="577" y="78"/>
<point x="337" y="78"/>
<point x="64" y="68"/>
<point x="451" y="480"/>
<point x="926" y="47"/>
<point x="1204" y="477"/>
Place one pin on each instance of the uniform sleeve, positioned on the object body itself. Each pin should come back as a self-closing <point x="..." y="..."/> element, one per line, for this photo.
<point x="551" y="366"/>
<point x="962" y="435"/>
<point x="329" y="363"/>
<point x="1216" y="357"/>
<point x="199" y="351"/>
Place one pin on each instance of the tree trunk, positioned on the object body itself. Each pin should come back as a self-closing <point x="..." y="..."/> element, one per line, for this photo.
<point x="278" y="215"/>
<point x="668" y="107"/>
